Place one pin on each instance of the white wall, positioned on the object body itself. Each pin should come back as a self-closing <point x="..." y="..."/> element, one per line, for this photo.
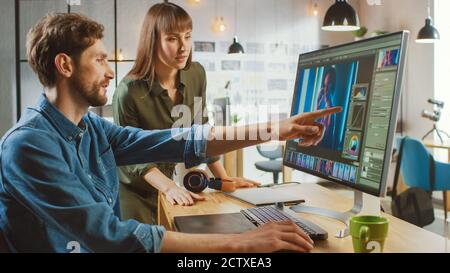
<point x="442" y="60"/>
<point x="7" y="67"/>
<point x="394" y="15"/>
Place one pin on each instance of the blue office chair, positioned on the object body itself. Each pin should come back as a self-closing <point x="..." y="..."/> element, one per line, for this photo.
<point x="415" y="168"/>
<point x="272" y="165"/>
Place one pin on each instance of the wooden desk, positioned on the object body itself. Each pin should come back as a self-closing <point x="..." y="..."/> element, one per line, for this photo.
<point x="403" y="237"/>
<point x="446" y="146"/>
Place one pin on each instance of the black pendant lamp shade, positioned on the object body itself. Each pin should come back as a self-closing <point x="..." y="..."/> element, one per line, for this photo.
<point x="341" y="17"/>
<point x="428" y="34"/>
<point x="235" y="47"/>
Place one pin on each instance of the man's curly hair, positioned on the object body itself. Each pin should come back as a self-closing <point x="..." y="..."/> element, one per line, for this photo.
<point x="56" y="33"/>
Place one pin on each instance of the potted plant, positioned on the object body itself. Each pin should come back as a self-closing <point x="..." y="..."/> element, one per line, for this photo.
<point x="235" y="119"/>
<point x="359" y="34"/>
<point x="377" y="33"/>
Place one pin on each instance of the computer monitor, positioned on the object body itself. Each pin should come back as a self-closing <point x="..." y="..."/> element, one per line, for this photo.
<point x="364" y="78"/>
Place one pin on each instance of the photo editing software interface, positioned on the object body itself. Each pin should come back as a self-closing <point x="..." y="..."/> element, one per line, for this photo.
<point x="361" y="78"/>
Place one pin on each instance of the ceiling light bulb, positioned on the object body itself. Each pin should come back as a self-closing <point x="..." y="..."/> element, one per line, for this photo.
<point x="315" y="10"/>
<point x="120" y="57"/>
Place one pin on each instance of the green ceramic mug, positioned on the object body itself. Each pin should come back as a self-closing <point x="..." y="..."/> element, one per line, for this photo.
<point x="368" y="233"/>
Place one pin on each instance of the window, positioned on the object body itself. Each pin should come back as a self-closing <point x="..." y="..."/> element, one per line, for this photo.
<point x="442" y="60"/>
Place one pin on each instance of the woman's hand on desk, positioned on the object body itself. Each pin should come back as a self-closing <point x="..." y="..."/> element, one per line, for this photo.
<point x="174" y="194"/>
<point x="178" y="195"/>
<point x="239" y="182"/>
<point x="181" y="196"/>
<point x="230" y="183"/>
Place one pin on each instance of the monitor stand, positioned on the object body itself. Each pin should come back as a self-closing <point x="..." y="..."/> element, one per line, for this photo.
<point x="363" y="204"/>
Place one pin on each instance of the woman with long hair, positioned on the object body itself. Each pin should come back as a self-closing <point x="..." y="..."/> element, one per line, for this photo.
<point x="162" y="78"/>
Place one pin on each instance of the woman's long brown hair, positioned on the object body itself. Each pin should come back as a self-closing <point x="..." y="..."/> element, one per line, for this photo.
<point x="162" y="17"/>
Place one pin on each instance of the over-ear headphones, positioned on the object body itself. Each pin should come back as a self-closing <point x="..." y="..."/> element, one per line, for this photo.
<point x="198" y="180"/>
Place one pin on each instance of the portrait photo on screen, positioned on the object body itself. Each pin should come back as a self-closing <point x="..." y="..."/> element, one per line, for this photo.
<point x="324" y="87"/>
<point x="345" y="84"/>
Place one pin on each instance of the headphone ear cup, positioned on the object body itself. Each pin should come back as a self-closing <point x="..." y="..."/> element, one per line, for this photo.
<point x="195" y="181"/>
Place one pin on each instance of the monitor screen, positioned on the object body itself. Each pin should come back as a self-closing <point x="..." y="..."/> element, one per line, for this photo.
<point x="363" y="78"/>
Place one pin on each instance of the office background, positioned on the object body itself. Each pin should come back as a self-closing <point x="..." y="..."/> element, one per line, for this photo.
<point x="273" y="33"/>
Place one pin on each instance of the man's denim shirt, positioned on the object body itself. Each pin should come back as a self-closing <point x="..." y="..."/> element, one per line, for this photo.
<point x="59" y="187"/>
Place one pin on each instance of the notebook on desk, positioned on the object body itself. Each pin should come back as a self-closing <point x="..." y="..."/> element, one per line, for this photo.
<point x="265" y="196"/>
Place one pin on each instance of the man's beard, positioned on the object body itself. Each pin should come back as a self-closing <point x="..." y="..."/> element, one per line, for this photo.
<point x="91" y="94"/>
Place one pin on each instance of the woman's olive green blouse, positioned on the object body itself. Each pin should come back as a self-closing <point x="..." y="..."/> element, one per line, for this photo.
<point x="137" y="104"/>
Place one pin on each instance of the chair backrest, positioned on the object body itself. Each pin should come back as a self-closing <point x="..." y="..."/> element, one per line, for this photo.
<point x="276" y="152"/>
<point x="415" y="165"/>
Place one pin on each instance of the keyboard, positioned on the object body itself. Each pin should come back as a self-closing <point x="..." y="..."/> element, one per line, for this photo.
<point x="266" y="214"/>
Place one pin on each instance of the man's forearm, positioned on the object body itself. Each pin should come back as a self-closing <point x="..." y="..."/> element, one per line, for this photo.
<point x="175" y="242"/>
<point x="225" y="139"/>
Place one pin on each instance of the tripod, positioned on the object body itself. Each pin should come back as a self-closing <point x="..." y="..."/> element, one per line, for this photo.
<point x="438" y="132"/>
